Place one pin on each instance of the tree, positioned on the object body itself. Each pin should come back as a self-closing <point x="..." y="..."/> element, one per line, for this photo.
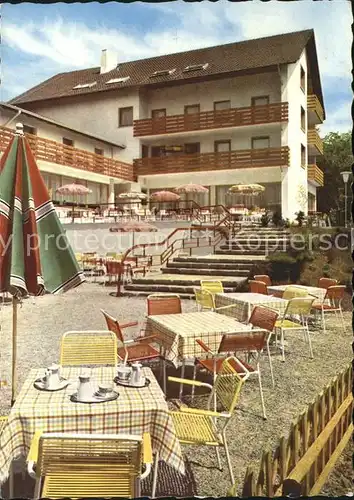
<point x="337" y="157"/>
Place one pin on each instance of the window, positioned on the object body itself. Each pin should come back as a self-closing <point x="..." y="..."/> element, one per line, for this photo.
<point x="303" y="119"/>
<point x="118" y="80"/>
<point x="222" y="146"/>
<point x="158" y="113"/>
<point x="29" y="130"/>
<point x="99" y="151"/>
<point x="219" y="105"/>
<point x="126" y="117"/>
<point x="195" y="67"/>
<point x="157" y="151"/>
<point x="192" y="148"/>
<point x="262" y="100"/>
<point x="68" y="142"/>
<point x="260" y="142"/>
<point x="163" y="72"/>
<point x="191" y="109"/>
<point x="303" y="156"/>
<point x="84" y="85"/>
<point x="302" y="78"/>
<point x="144" y="151"/>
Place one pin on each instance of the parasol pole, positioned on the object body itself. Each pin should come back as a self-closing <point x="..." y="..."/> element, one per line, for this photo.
<point x="14" y="348"/>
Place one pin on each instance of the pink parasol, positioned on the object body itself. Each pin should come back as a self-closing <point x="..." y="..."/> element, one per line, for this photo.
<point x="73" y="189"/>
<point x="164" y="196"/>
<point x="133" y="227"/>
<point x="191" y="188"/>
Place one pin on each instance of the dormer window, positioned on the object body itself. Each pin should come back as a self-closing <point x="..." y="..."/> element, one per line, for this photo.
<point x="84" y="85"/>
<point x="195" y="67"/>
<point x="163" y="72"/>
<point x="118" y="80"/>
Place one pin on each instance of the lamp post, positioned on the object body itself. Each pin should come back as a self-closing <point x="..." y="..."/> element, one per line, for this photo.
<point x="345" y="176"/>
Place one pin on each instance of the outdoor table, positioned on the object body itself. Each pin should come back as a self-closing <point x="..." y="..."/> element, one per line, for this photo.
<point x="245" y="302"/>
<point x="317" y="292"/>
<point x="178" y="332"/>
<point x="134" y="412"/>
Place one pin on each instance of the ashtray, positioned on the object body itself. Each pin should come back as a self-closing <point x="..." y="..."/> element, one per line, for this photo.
<point x="95" y="398"/>
<point x="144" y="383"/>
<point x="40" y="385"/>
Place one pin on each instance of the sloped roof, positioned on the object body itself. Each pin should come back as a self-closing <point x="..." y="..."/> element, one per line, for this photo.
<point x="222" y="59"/>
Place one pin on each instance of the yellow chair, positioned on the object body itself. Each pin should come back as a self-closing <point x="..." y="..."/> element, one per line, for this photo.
<point x="89" y="465"/>
<point x="204" y="299"/>
<point x="88" y="348"/>
<point x="212" y="286"/>
<point x="295" y="318"/>
<point x="114" y="255"/>
<point x="293" y="291"/>
<point x="3" y="421"/>
<point x="79" y="258"/>
<point x="202" y="427"/>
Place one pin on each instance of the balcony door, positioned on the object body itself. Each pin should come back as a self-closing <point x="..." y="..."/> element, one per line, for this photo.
<point x="260" y="109"/>
<point x="260" y="150"/>
<point x="158" y="121"/>
<point x="222" y="158"/>
<point x="192" y="117"/>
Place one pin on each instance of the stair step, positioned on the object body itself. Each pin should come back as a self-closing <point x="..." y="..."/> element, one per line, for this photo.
<point x="227" y="259"/>
<point x="138" y="287"/>
<point x="229" y="251"/>
<point x="207" y="265"/>
<point x="212" y="272"/>
<point x="191" y="280"/>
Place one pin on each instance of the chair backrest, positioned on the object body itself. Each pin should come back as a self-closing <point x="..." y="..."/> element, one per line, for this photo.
<point x="113" y="326"/>
<point x="299" y="306"/>
<point x="263" y="317"/>
<point x="113" y="255"/>
<point x="163" y="304"/>
<point x="204" y="298"/>
<point x="258" y="287"/>
<point x="293" y="291"/>
<point x="335" y="294"/>
<point x="243" y="341"/>
<point x="213" y="286"/>
<point x="113" y="267"/>
<point x="263" y="277"/>
<point x="88" y="348"/>
<point x="3" y="421"/>
<point x="327" y="282"/>
<point x="227" y="385"/>
<point x="112" y="461"/>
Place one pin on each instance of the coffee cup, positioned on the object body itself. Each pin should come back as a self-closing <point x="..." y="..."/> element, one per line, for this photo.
<point x="104" y="390"/>
<point x="124" y="373"/>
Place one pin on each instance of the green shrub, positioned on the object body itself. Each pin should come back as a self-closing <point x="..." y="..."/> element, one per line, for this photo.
<point x="265" y="220"/>
<point x="300" y="217"/>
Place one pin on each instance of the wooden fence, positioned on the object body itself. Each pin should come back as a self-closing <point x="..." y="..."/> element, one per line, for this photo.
<point x="303" y="460"/>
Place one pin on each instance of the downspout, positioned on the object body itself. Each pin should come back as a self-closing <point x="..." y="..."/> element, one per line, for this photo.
<point x="13" y="118"/>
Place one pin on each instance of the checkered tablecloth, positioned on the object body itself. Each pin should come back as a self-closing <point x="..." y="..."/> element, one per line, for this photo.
<point x="178" y="332"/>
<point x="134" y="412"/>
<point x="312" y="290"/>
<point x="245" y="302"/>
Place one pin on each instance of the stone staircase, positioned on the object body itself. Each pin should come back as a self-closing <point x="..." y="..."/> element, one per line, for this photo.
<point x="232" y="263"/>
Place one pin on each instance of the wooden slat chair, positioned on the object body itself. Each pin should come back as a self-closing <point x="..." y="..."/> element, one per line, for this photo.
<point x="295" y="317"/>
<point x="327" y="282"/>
<point x="332" y="303"/>
<point x="163" y="304"/>
<point x="213" y="286"/>
<point x="293" y="291"/>
<point x="264" y="278"/>
<point x="118" y="271"/>
<point x="89" y="465"/>
<point x="251" y="344"/>
<point x="258" y="287"/>
<point x="88" y="348"/>
<point x="204" y="427"/>
<point x="137" y="349"/>
<point x="3" y="421"/>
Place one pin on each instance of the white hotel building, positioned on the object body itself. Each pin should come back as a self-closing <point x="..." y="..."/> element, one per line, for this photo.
<point x="236" y="113"/>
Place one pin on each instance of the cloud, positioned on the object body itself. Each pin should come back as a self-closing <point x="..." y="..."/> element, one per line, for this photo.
<point x="339" y="120"/>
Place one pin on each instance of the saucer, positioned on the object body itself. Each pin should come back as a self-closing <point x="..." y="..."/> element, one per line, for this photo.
<point x="144" y="383"/>
<point x="40" y="385"/>
<point x="94" y="398"/>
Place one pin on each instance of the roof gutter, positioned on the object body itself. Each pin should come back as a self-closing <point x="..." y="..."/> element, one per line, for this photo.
<point x="13" y="118"/>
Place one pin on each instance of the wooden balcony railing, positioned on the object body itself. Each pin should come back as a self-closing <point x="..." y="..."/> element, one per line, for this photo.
<point x="55" y="152"/>
<point x="206" y="120"/>
<point x="247" y="158"/>
<point x="315" y="174"/>
<point x="313" y="139"/>
<point x="313" y="104"/>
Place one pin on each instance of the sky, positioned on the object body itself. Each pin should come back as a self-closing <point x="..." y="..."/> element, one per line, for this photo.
<point x="39" y="41"/>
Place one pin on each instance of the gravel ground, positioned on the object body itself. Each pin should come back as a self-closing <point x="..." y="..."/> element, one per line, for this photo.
<point x="43" y="320"/>
<point x="340" y="480"/>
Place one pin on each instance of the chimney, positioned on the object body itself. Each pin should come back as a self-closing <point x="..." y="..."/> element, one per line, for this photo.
<point x="109" y="61"/>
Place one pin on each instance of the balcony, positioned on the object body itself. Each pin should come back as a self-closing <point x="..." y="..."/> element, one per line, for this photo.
<point x="315" y="110"/>
<point x="230" y="160"/>
<point x="55" y="152"/>
<point x="208" y="120"/>
<point x="315" y="143"/>
<point x="315" y="175"/>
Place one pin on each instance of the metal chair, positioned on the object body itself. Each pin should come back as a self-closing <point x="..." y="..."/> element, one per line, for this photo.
<point x="204" y="299"/>
<point x="327" y="282"/>
<point x="88" y="348"/>
<point x="293" y="291"/>
<point x="264" y="278"/>
<point x="212" y="286"/>
<point x="295" y="318"/>
<point x="258" y="287"/>
<point x="332" y="303"/>
<point x="137" y="349"/>
<point x="89" y="465"/>
<point x="202" y="427"/>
